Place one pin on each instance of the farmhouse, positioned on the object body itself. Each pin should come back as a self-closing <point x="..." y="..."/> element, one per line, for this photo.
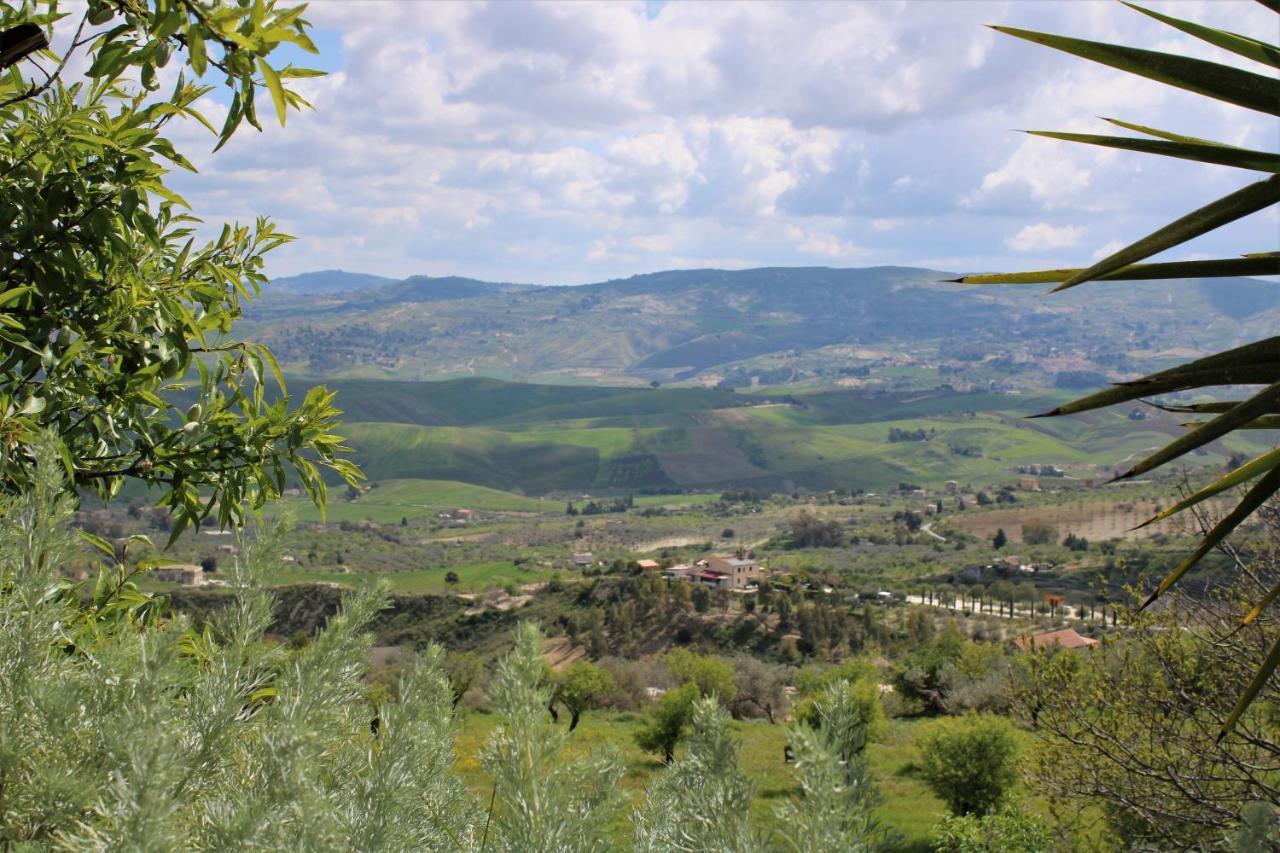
<point x="1066" y="638"/>
<point x="681" y="572"/>
<point x="743" y="572"/>
<point x="183" y="575"/>
<point x="582" y="560"/>
<point x="647" y="565"/>
<point x="710" y="577"/>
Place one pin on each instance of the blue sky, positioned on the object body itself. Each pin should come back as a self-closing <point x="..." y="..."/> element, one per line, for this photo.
<point x="574" y="142"/>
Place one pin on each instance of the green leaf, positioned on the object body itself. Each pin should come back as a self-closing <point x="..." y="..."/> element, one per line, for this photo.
<point x="1214" y="215"/>
<point x="1222" y="155"/>
<point x="1257" y="363"/>
<point x="272" y="79"/>
<point x="98" y="542"/>
<point x="1255" y="467"/>
<point x="1222" y="82"/>
<point x="1262" y="604"/>
<point x="1160" y="134"/>
<point x="195" y="51"/>
<point x="1250" y="48"/>
<point x="1220" y="268"/>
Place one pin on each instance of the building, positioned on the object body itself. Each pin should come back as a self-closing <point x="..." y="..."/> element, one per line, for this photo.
<point x="744" y="572"/>
<point x="182" y="574"/>
<point x="1066" y="638"/>
<point x="1030" y="484"/>
<point x="678" y="573"/>
<point x="648" y="565"/>
<point x="952" y="487"/>
<point x="710" y="577"/>
<point x="582" y="560"/>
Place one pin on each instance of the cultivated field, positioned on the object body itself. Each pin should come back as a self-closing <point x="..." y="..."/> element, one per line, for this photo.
<point x="1095" y="520"/>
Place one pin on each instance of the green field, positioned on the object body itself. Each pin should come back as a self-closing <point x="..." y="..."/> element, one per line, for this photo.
<point x="388" y="501"/>
<point x="544" y="439"/>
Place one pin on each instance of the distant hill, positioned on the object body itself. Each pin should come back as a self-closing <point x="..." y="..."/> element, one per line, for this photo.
<point x="885" y="327"/>
<point x="558" y="438"/>
<point x="328" y="281"/>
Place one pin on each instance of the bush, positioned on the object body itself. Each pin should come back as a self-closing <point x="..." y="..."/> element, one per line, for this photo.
<point x="1009" y="830"/>
<point x="971" y="762"/>
<point x="1038" y="533"/>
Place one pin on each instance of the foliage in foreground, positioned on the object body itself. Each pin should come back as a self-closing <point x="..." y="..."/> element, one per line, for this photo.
<point x="218" y="738"/>
<point x="1134" y="725"/>
<point x="1003" y="831"/>
<point x="110" y="298"/>
<point x="1256" y="364"/>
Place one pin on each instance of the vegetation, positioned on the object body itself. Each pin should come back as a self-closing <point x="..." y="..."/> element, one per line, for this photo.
<point x="1256" y="364"/>
<point x="111" y="302"/>
<point x="971" y="762"/>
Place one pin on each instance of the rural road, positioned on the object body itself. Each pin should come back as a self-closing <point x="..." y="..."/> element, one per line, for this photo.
<point x="927" y="528"/>
<point x="1020" y="611"/>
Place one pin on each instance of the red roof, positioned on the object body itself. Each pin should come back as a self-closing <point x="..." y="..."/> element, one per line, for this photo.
<point x="1066" y="638"/>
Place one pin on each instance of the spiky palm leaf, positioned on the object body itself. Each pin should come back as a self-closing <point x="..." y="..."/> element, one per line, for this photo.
<point x="1254" y="364"/>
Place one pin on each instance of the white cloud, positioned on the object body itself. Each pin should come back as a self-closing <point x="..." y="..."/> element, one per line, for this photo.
<point x="1042" y="235"/>
<point x="1110" y="248"/>
<point x="573" y="141"/>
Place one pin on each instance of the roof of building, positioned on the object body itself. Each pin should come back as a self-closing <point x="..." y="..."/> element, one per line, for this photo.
<point x="1067" y="638"/>
<point x="735" y="562"/>
<point x="647" y="564"/>
<point x="710" y="575"/>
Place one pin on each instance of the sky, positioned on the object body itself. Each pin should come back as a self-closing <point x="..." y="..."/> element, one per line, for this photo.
<point x="562" y="143"/>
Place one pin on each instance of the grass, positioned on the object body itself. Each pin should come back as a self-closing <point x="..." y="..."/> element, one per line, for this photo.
<point x="909" y="807"/>
<point x="471" y="578"/>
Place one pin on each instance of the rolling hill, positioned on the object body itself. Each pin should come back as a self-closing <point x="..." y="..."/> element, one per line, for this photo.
<point x="886" y="327"/>
<point x="536" y="440"/>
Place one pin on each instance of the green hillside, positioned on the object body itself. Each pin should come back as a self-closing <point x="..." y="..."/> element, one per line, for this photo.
<point x="694" y="439"/>
<point x="891" y="327"/>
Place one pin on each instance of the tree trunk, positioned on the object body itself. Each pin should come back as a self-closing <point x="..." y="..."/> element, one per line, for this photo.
<point x="555" y="715"/>
<point x="574" y="715"/>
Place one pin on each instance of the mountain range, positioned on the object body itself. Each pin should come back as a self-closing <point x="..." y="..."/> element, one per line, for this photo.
<point x="893" y="327"/>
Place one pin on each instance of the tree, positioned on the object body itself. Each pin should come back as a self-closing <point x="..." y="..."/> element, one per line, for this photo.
<point x="451" y="578"/>
<point x="1149" y="754"/>
<point x="1038" y="533"/>
<point x="1256" y="364"/>
<point x="1000" y="539"/>
<point x="712" y="676"/>
<point x="666" y="724"/>
<point x="463" y="670"/>
<point x="809" y="530"/>
<point x="970" y="762"/>
<point x="115" y="319"/>
<point x="703" y="800"/>
<point x="760" y="685"/>
<point x="581" y="687"/>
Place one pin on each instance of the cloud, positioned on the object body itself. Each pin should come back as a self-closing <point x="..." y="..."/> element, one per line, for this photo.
<point x="1042" y="235"/>
<point x="574" y="141"/>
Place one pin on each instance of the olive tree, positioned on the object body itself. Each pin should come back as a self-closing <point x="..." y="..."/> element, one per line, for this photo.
<point x="115" y="315"/>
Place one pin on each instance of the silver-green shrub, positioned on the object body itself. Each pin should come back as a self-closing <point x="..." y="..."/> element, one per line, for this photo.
<point x="122" y="725"/>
